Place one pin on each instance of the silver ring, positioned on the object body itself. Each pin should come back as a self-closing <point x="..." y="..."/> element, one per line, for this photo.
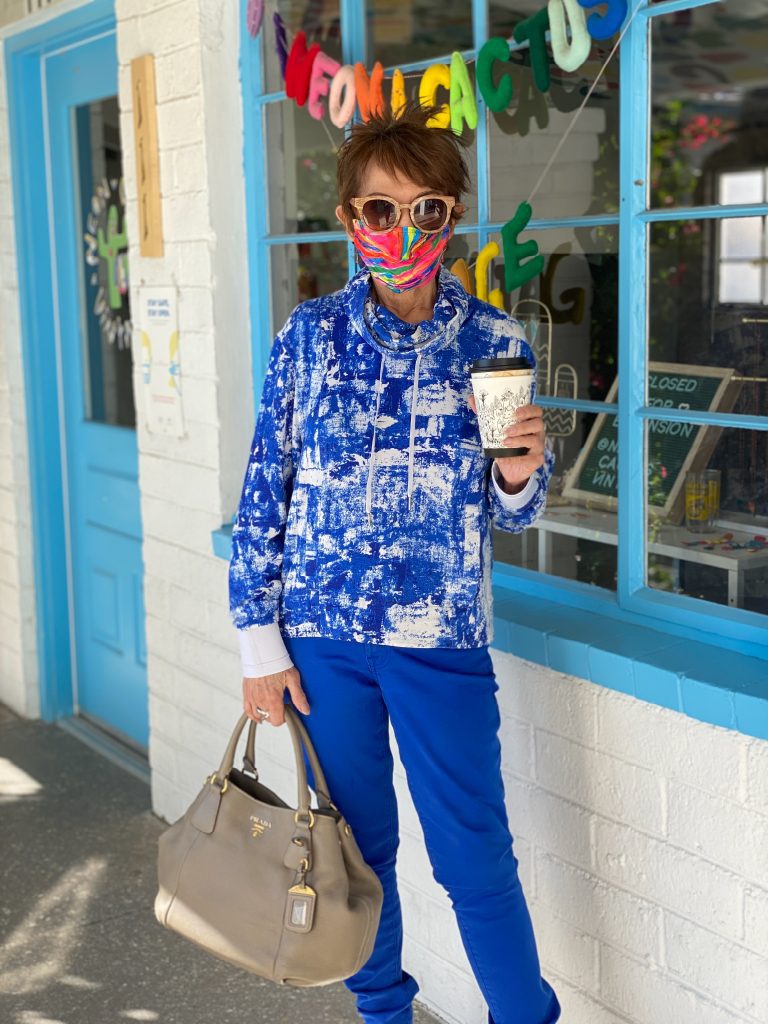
<point x="262" y="712"/>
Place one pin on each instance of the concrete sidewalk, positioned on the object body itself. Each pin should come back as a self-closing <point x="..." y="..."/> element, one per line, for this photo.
<point x="79" y="943"/>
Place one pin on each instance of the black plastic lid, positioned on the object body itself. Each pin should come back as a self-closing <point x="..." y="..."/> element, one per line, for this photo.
<point x="502" y="363"/>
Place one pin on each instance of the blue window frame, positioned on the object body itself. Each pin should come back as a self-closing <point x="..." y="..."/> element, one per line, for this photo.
<point x="633" y="214"/>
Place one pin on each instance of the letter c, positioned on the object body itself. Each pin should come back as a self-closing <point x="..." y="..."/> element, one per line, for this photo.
<point x="497" y="99"/>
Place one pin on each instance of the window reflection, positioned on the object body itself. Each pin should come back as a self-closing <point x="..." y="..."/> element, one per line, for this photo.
<point x="107" y="358"/>
<point x="305" y="271"/>
<point x="584" y="176"/>
<point x="719" y="551"/>
<point x="403" y="33"/>
<point x="320" y="22"/>
<point x="709" y="103"/>
<point x="302" y="170"/>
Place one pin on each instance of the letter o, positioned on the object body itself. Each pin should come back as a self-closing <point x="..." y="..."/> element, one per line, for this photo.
<point x="341" y="111"/>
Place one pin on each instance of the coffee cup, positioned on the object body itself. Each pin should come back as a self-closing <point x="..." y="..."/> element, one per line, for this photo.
<point x="500" y="387"/>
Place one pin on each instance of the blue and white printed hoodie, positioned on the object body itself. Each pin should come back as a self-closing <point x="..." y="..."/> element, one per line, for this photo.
<point x="368" y="501"/>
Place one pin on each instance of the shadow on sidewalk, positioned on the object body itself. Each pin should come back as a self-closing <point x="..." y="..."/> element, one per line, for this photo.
<point x="79" y="942"/>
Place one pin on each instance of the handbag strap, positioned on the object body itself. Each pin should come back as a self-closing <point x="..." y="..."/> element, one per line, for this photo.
<point x="299" y="736"/>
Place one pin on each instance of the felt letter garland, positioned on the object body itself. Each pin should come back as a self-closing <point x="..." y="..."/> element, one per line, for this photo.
<point x="516" y="272"/>
<point x="603" y="26"/>
<point x="435" y="76"/>
<point x="497" y="99"/>
<point x="397" y="99"/>
<point x="319" y="83"/>
<point x="298" y="68"/>
<point x="534" y="30"/>
<point x="568" y="56"/>
<point x="281" y="46"/>
<point x="463" y="106"/>
<point x="343" y="82"/>
<point x="370" y="95"/>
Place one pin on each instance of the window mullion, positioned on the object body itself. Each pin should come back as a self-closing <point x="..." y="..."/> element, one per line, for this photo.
<point x="633" y="307"/>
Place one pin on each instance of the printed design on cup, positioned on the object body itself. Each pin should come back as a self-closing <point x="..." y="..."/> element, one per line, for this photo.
<point x="497" y="411"/>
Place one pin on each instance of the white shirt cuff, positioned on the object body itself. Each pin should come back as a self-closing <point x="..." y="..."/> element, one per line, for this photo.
<point x="263" y="650"/>
<point x="514" y="502"/>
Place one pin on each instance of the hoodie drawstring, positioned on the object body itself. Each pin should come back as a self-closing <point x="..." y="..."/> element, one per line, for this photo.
<point x="414" y="400"/>
<point x="369" y="488"/>
<point x="411" y="439"/>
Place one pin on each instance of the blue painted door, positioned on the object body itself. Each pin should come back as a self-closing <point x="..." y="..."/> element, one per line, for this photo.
<point x="98" y="412"/>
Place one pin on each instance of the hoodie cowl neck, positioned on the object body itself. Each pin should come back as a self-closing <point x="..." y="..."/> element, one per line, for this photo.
<point x="386" y="332"/>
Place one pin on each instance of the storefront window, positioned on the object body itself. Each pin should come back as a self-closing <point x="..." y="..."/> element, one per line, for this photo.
<point x="695" y="304"/>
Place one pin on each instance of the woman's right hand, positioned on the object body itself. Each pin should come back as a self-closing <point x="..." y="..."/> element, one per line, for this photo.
<point x="267" y="693"/>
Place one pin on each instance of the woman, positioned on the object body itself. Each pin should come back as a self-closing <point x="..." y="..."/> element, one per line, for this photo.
<point x="360" y="579"/>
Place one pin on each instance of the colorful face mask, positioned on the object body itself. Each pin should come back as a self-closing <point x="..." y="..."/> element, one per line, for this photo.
<point x="402" y="258"/>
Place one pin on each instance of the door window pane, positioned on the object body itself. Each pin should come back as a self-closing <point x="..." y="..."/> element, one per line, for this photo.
<point x="105" y="306"/>
<point x="709" y="104"/>
<point x="710" y="543"/>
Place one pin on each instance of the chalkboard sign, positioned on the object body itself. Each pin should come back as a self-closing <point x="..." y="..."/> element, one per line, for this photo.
<point x="673" y="448"/>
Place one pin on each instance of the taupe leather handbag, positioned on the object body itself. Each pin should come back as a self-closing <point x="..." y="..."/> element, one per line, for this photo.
<point x="283" y="892"/>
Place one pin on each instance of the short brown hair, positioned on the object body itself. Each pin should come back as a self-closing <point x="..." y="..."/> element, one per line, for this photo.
<point x="403" y="144"/>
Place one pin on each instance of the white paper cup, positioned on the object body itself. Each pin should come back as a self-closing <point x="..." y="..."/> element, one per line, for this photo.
<point x="500" y="387"/>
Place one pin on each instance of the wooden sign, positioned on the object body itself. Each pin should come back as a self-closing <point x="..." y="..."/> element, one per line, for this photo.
<point x="147" y="159"/>
<point x="672" y="447"/>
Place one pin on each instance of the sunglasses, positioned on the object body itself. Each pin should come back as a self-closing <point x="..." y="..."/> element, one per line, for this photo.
<point x="428" y="213"/>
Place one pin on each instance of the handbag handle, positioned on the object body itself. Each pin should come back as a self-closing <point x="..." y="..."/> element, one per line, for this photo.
<point x="321" y="786"/>
<point x="299" y="736"/>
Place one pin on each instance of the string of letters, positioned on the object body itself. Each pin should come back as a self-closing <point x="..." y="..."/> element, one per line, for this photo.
<point x="314" y="79"/>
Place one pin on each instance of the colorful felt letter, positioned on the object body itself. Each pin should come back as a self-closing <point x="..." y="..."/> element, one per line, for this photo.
<point x="463" y="106"/>
<point x="298" y="69"/>
<point x="534" y="30"/>
<point x="497" y="99"/>
<point x="343" y="83"/>
<point x="323" y="70"/>
<point x="461" y="270"/>
<point x="568" y="56"/>
<point x="397" y="101"/>
<point x="603" y="26"/>
<point x="489" y="252"/>
<point x="254" y="15"/>
<point x="281" y="46"/>
<point x="370" y="95"/>
<point x="516" y="272"/>
<point x="435" y="76"/>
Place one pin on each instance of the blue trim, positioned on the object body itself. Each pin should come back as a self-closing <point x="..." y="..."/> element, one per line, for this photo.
<point x="678" y="213"/>
<point x="743" y="421"/>
<point x="24" y="51"/>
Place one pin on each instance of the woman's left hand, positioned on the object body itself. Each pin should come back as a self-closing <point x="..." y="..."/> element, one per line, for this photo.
<point x="526" y="432"/>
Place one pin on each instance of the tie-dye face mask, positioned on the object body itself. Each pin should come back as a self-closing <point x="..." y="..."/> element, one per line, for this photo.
<point x="402" y="258"/>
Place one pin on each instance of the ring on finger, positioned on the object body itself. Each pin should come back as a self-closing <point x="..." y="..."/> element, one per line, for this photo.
<point x="262" y="711"/>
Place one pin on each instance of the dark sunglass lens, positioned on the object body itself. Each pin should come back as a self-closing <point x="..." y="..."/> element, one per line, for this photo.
<point x="379" y="214"/>
<point x="430" y="214"/>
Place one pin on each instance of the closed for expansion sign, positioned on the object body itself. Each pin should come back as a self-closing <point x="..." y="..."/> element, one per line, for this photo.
<point x="673" y="448"/>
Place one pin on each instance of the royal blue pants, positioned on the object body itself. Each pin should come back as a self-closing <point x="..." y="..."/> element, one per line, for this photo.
<point x="445" y="717"/>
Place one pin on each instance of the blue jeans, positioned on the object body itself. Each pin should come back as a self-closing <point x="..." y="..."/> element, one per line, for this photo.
<point x="445" y="717"/>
